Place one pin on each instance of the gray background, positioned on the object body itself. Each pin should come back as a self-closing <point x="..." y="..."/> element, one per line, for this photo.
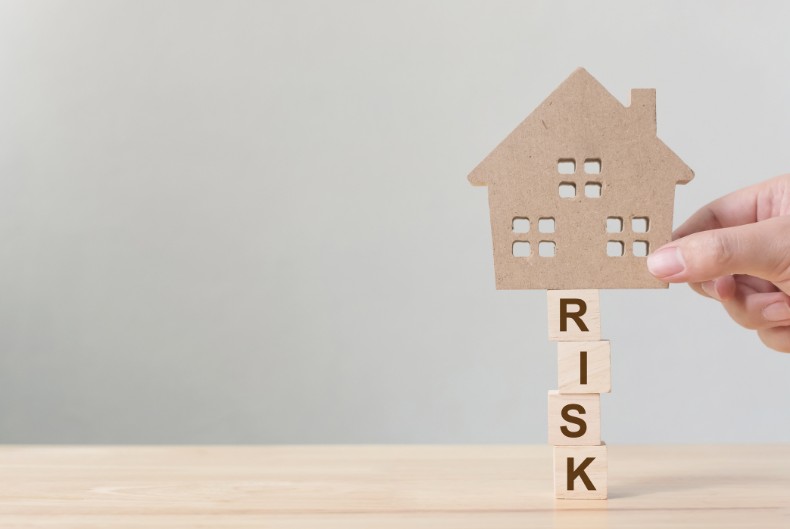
<point x="249" y="222"/>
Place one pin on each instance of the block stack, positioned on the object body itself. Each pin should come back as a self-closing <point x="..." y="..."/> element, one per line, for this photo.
<point x="583" y="372"/>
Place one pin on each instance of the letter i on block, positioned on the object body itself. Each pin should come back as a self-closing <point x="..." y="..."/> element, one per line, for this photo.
<point x="580" y="472"/>
<point x="584" y="367"/>
<point x="574" y="315"/>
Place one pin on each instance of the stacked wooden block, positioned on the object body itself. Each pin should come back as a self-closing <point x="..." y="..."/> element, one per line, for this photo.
<point x="584" y="372"/>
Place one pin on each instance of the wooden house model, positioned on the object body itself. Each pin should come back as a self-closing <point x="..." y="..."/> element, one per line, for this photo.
<point x="581" y="191"/>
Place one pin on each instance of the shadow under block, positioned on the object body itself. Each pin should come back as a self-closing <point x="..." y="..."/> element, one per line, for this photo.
<point x="580" y="472"/>
<point x="574" y="315"/>
<point x="584" y="367"/>
<point x="574" y="419"/>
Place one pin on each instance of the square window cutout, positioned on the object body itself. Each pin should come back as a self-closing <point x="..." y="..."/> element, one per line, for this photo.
<point x="640" y="224"/>
<point x="592" y="190"/>
<point x="614" y="224"/>
<point x="521" y="249"/>
<point x="566" y="166"/>
<point x="592" y="166"/>
<point x="567" y="190"/>
<point x="547" y="249"/>
<point x="614" y="248"/>
<point x="520" y="224"/>
<point x="641" y="248"/>
<point x="546" y="225"/>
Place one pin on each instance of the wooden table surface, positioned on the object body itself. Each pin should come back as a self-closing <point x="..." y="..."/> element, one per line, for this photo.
<point x="387" y="487"/>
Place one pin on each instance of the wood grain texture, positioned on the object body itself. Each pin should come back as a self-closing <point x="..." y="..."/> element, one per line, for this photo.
<point x="581" y="408"/>
<point x="389" y="487"/>
<point x="574" y="315"/>
<point x="593" y="375"/>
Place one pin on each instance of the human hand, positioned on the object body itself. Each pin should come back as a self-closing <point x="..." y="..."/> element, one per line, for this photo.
<point x="736" y="250"/>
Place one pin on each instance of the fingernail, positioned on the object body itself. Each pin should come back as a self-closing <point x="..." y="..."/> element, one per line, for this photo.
<point x="778" y="311"/>
<point x="666" y="262"/>
<point x="709" y="287"/>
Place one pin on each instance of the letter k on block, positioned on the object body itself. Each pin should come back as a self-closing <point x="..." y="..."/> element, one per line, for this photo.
<point x="580" y="472"/>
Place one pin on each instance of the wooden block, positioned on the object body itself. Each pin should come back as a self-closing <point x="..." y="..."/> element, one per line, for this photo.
<point x="584" y="367"/>
<point x="574" y="419"/>
<point x="580" y="472"/>
<point x="574" y="315"/>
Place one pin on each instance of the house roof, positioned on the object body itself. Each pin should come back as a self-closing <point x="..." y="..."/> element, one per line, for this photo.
<point x="581" y="99"/>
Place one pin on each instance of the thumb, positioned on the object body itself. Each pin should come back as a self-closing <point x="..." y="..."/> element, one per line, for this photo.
<point x="760" y="249"/>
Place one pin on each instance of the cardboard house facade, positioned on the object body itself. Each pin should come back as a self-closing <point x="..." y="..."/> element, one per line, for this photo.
<point x="581" y="191"/>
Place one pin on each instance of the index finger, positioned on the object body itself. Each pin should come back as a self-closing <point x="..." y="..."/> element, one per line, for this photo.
<point x="735" y="209"/>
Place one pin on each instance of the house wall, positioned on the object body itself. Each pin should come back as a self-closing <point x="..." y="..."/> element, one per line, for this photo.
<point x="635" y="182"/>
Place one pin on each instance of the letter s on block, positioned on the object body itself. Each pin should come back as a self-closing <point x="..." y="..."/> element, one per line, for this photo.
<point x="566" y="415"/>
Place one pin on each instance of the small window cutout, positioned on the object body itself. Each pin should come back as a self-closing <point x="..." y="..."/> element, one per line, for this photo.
<point x="614" y="225"/>
<point x="640" y="224"/>
<point x="521" y="249"/>
<point x="567" y="190"/>
<point x="566" y="166"/>
<point x="546" y="225"/>
<point x="592" y="190"/>
<point x="520" y="224"/>
<point x="592" y="166"/>
<point x="641" y="248"/>
<point x="547" y="249"/>
<point x="614" y="248"/>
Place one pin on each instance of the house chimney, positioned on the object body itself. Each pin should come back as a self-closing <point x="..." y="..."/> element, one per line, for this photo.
<point x="643" y="108"/>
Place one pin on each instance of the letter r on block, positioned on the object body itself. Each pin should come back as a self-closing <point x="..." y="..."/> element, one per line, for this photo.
<point x="574" y="315"/>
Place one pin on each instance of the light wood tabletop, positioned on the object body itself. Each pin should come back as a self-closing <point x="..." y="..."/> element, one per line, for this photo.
<point x="387" y="487"/>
